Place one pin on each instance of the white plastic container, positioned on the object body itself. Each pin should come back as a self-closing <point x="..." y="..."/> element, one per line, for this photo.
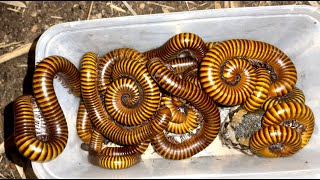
<point x="293" y="29"/>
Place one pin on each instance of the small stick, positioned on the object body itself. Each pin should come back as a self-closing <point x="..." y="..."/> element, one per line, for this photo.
<point x="117" y="8"/>
<point x="129" y="7"/>
<point x="56" y="17"/>
<point x="2" y="149"/>
<point x="21" y="172"/>
<point x="187" y="5"/>
<point x="3" y="45"/>
<point x="11" y="9"/>
<point x="16" y="53"/>
<point x="89" y="14"/>
<point x="165" y="6"/>
<point x="202" y="4"/>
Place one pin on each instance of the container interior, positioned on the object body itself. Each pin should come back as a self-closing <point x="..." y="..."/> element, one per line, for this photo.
<point x="293" y="29"/>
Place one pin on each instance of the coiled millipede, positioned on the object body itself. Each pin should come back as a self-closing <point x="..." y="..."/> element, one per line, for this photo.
<point x="275" y="141"/>
<point x="103" y="122"/>
<point x="212" y="63"/>
<point x="195" y="96"/>
<point x="180" y="43"/>
<point x="133" y="97"/>
<point x="106" y="63"/>
<point x="292" y="114"/>
<point x="48" y="146"/>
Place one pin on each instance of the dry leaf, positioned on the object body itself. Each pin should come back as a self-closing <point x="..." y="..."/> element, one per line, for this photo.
<point x="15" y="3"/>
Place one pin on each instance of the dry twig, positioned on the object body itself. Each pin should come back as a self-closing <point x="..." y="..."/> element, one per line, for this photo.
<point x="116" y="8"/>
<point x="3" y="45"/>
<point x="56" y="17"/>
<point x="16" y="53"/>
<point x="129" y="8"/>
<point x="157" y="4"/>
<point x="89" y="14"/>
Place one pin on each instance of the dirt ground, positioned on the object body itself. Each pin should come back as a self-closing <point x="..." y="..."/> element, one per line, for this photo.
<point x="19" y="25"/>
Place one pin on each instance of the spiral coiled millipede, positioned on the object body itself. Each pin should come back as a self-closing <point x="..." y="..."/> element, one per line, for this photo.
<point x="285" y="141"/>
<point x="197" y="98"/>
<point x="149" y="93"/>
<point x="53" y="143"/>
<point x="225" y="92"/>
<point x="261" y="91"/>
<point x="294" y="95"/>
<point x="288" y="111"/>
<point x="280" y="62"/>
<point x="96" y="156"/>
<point x="102" y="121"/>
<point x="180" y="123"/>
<point x="83" y="124"/>
<point x="180" y="65"/>
<point x="28" y="144"/>
<point x="178" y="43"/>
<point x="105" y="64"/>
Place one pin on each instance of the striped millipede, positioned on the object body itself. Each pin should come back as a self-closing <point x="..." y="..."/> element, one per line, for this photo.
<point x="196" y="97"/>
<point x="83" y="124"/>
<point x="183" y="42"/>
<point x="267" y="53"/>
<point x="106" y="63"/>
<point x="293" y="114"/>
<point x="133" y="97"/>
<point x="180" y="65"/>
<point x="294" y="95"/>
<point x="275" y="141"/>
<point x="260" y="92"/>
<point x="103" y="122"/>
<point x="181" y="122"/>
<point x="115" y="157"/>
<point x="49" y="146"/>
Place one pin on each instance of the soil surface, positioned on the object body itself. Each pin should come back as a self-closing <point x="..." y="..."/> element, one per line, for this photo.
<point x="19" y="25"/>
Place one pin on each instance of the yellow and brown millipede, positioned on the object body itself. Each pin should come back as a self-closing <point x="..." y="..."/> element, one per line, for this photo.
<point x="275" y="141"/>
<point x="196" y="97"/>
<point x="117" y="158"/>
<point x="133" y="96"/>
<point x="49" y="146"/>
<point x="292" y="114"/>
<point x="83" y="124"/>
<point x="183" y="42"/>
<point x="294" y="95"/>
<point x="100" y="118"/>
<point x="280" y="63"/>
